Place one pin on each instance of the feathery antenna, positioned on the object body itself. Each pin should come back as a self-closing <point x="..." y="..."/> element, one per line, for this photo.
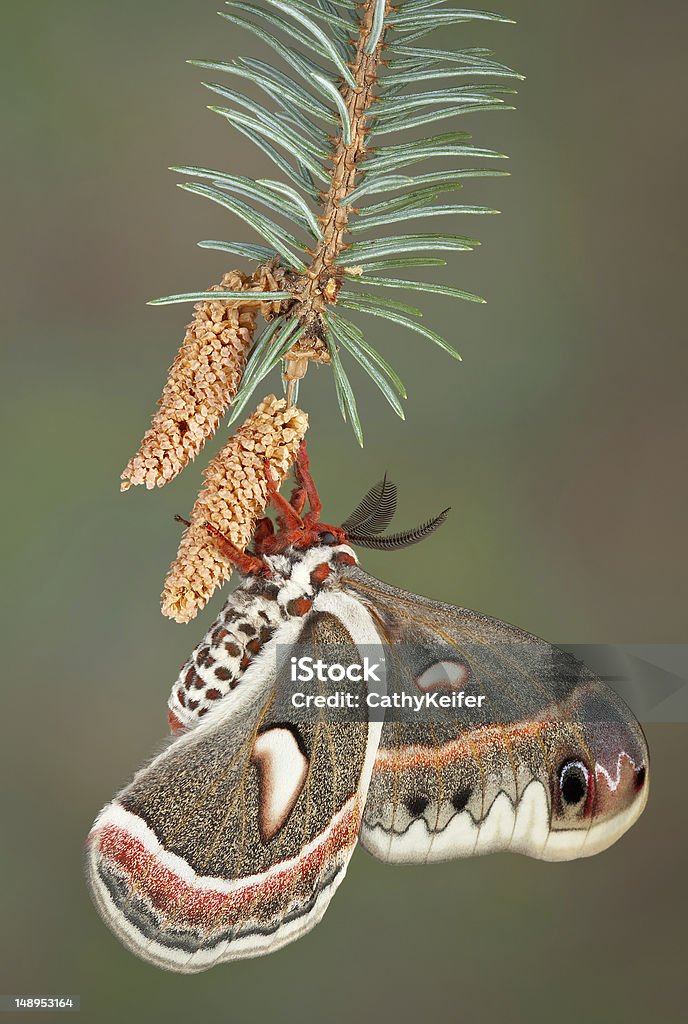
<point x="395" y="541"/>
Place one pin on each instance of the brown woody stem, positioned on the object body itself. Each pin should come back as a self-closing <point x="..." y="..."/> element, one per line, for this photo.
<point x="320" y="284"/>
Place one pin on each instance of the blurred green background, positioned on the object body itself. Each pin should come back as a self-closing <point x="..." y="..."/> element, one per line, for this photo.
<point x="559" y="442"/>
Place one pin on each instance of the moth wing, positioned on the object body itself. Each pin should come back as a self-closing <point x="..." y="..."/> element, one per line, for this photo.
<point x="549" y="763"/>
<point x="231" y="842"/>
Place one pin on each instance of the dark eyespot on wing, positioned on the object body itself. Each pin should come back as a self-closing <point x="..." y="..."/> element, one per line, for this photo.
<point x="573" y="782"/>
<point x="416" y="805"/>
<point x="461" y="798"/>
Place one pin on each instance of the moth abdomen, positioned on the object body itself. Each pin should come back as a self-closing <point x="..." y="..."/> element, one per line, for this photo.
<point x="248" y="624"/>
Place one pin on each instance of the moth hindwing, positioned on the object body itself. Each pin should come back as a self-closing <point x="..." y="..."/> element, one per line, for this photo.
<point x="232" y="842"/>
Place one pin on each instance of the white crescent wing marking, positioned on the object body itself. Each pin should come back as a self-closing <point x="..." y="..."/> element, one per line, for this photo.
<point x="283" y="769"/>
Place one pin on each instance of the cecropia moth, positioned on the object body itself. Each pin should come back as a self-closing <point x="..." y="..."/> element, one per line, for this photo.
<point x="232" y="841"/>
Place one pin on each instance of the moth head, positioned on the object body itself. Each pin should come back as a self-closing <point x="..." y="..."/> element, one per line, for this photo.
<point x="311" y="536"/>
<point x="331" y="536"/>
<point x="327" y="537"/>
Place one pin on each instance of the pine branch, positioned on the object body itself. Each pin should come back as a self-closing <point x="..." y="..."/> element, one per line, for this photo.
<point x="350" y="87"/>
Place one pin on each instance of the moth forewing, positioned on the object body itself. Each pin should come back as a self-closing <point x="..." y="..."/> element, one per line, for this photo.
<point x="550" y="763"/>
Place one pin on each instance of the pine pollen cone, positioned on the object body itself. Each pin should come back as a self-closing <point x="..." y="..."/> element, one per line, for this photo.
<point x="203" y="378"/>
<point x="233" y="497"/>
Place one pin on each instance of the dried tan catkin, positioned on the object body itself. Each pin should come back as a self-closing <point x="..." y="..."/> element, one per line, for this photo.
<point x="203" y="378"/>
<point x="233" y="497"/>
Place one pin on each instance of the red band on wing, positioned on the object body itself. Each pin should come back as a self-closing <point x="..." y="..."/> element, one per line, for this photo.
<point x="193" y="905"/>
<point x="479" y="742"/>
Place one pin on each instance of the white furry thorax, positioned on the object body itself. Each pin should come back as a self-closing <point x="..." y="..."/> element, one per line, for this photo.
<point x="250" y="618"/>
<point x="292" y="570"/>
